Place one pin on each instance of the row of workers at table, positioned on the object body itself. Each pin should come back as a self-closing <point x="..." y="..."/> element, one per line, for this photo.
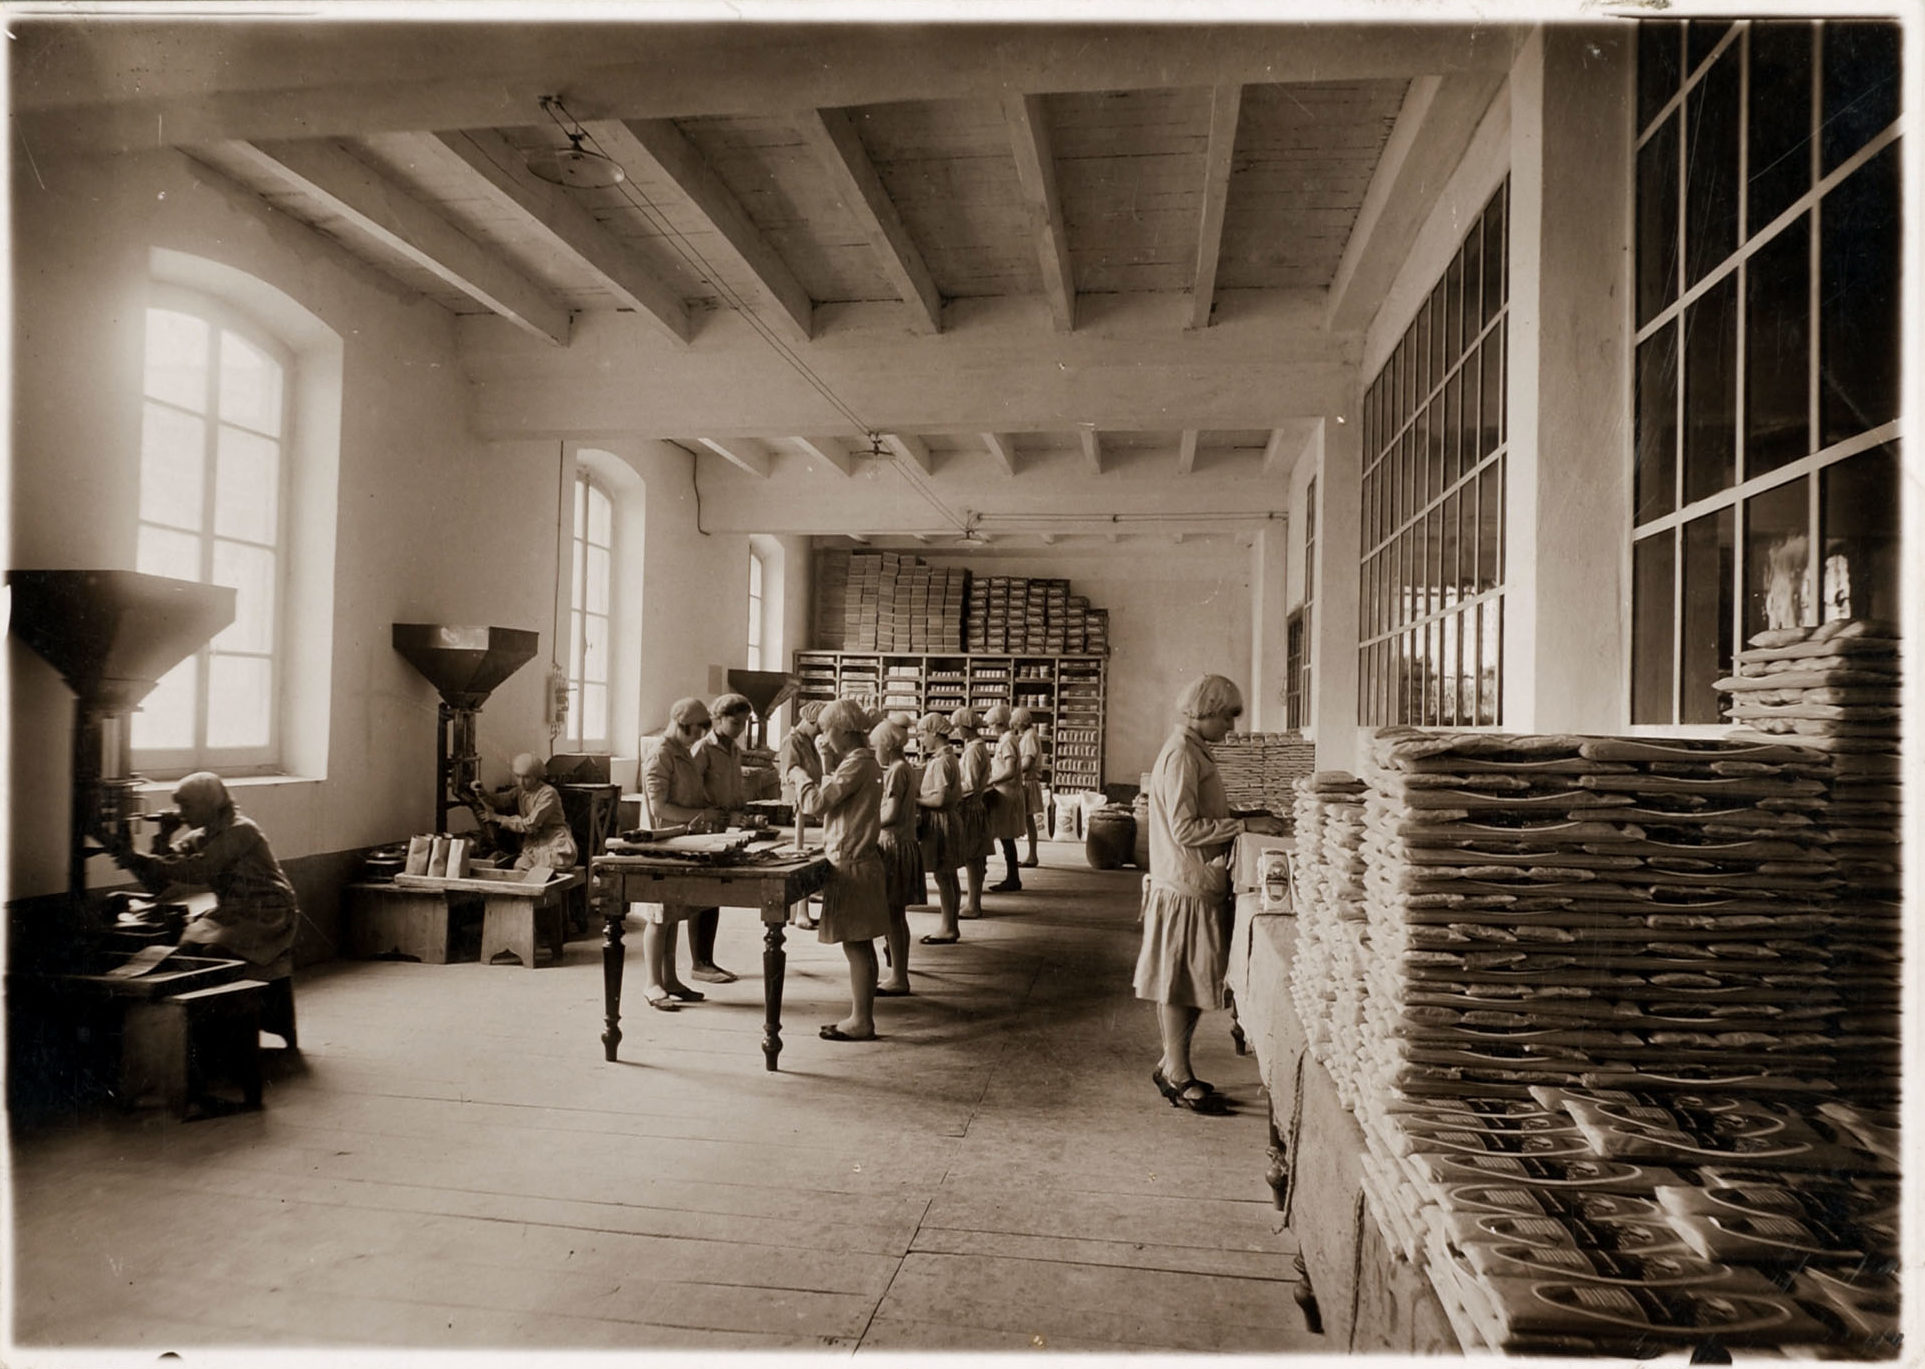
<point x="885" y="825"/>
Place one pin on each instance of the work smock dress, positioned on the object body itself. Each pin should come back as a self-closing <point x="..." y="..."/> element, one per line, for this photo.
<point x="1029" y="746"/>
<point x="677" y="793"/>
<point x="972" y="810"/>
<point x="1006" y="809"/>
<point x="940" y="797"/>
<point x="798" y="753"/>
<point x="255" y="909"/>
<point x="855" y="902"/>
<point x="543" y="827"/>
<point x="901" y="852"/>
<point x="1185" y="933"/>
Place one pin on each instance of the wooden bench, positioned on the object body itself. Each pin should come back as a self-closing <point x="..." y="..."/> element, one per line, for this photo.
<point x="177" y="1049"/>
<point x="522" y="909"/>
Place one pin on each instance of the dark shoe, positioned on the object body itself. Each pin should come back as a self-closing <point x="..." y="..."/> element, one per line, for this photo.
<point x="1008" y="886"/>
<point x="935" y="939"/>
<point x="682" y="993"/>
<point x="1030" y="864"/>
<point x="711" y="974"/>
<point x="1204" y="1099"/>
<point x="891" y="993"/>
<point x="834" y="1033"/>
<point x="662" y="1002"/>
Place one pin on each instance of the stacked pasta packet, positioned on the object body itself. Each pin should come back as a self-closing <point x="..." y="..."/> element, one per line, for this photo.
<point x="1326" y="971"/>
<point x="1617" y="1090"/>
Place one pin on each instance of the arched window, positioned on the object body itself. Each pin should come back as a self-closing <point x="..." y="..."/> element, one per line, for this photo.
<point x="755" y="610"/>
<point x="216" y="395"/>
<point x="589" y="616"/>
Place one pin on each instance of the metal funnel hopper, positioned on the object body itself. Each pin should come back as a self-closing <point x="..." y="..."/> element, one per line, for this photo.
<point x="764" y="689"/>
<point x="112" y="634"/>
<point x="465" y="664"/>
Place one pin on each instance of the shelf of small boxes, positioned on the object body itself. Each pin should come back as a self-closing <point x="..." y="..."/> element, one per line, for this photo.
<point x="1620" y="1090"/>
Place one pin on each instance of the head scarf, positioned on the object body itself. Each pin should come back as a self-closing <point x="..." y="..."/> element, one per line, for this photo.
<point x="1021" y="718"/>
<point x="688" y="713"/>
<point x="728" y="705"/>
<point x="934" y="727"/>
<point x="845" y="715"/>
<point x="887" y="736"/>
<point x="1208" y="696"/>
<point x="964" y="719"/>
<point x="527" y="763"/>
<point x="811" y="712"/>
<point x="998" y="716"/>
<point x="205" y="787"/>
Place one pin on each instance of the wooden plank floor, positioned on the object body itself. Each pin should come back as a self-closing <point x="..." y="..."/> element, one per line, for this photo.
<point x="451" y="1164"/>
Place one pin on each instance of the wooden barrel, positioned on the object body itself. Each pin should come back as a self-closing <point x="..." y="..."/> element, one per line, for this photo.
<point x="1140" y="814"/>
<point x="1111" y="834"/>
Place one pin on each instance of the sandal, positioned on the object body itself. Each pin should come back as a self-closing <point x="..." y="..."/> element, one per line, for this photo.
<point x="684" y="994"/>
<point x="882" y="992"/>
<point x="663" y="1002"/>
<point x="934" y="939"/>
<point x="834" y="1033"/>
<point x="1179" y="1096"/>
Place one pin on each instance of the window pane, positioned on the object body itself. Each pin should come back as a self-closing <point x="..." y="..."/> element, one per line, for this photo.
<point x="1652" y="562"/>
<point x="601" y="518"/>
<point x="578" y="591"/>
<point x="1711" y="169"/>
<point x="1657" y="432"/>
<point x="250" y="571"/>
<point x="1861" y="86"/>
<point x="250" y="386"/>
<point x="574" y="725"/>
<point x="597" y="580"/>
<point x="1778" y="350"/>
<point x="1438" y="308"/>
<point x="1658" y="220"/>
<point x="594" y="712"/>
<point x="755" y="577"/>
<point x="595" y="648"/>
<point x="1490" y="531"/>
<point x="1427" y="455"/>
<point x="161" y="551"/>
<point x="1490" y="631"/>
<point x="1491" y="406"/>
<point x="1710" y="551"/>
<point x="1858" y="506"/>
<point x="1496" y="257"/>
<point x="1711" y="390"/>
<point x="166" y="717"/>
<point x="1453" y="312"/>
<point x="176" y="368"/>
<point x="1702" y="39"/>
<point x="172" y="455"/>
<point x="240" y="694"/>
<point x="1780" y="110"/>
<point x="247" y="487"/>
<point x="581" y="506"/>
<point x="1778" y="559"/>
<point x="1858" y="300"/>
<point x="1660" y="66"/>
<point x="575" y="646"/>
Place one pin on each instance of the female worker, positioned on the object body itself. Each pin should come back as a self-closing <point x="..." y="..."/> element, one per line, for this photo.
<point x="798" y="753"/>
<point x="532" y="809"/>
<point x="719" y="756"/>
<point x="1186" y="916"/>
<point x="1029" y="749"/>
<point x="254" y="909"/>
<point x="972" y="810"/>
<point x="1004" y="796"/>
<point x="855" y="904"/>
<point x="901" y="856"/>
<point x="672" y="781"/>
<point x="938" y="798"/>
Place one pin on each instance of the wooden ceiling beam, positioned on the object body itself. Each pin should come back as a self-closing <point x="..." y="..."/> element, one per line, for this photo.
<point x="1434" y="127"/>
<point x="742" y="452"/>
<point x="1225" y="102"/>
<point x="829" y="451"/>
<point x="1002" y="446"/>
<point x="1092" y="444"/>
<point x="385" y="210"/>
<point x="1036" y="173"/>
<point x="663" y="149"/>
<point x="911" y="449"/>
<point x="831" y="134"/>
<point x="1186" y="452"/>
<point x="500" y="172"/>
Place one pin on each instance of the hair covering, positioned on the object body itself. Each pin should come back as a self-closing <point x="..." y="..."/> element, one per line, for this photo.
<point x="933" y="725"/>
<point x="728" y="705"/>
<point x="904" y="719"/>
<point x="527" y="763"/>
<point x="965" y="717"/>
<point x="811" y="712"/>
<point x="1021" y="717"/>
<point x="688" y="711"/>
<point x="998" y="715"/>
<point x="204" y="786"/>
<point x="888" y="735"/>
<point x="845" y="715"/>
<point x="1209" y="695"/>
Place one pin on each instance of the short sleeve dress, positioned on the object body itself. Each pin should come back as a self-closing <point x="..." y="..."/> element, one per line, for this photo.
<point x="972" y="814"/>
<point x="940" y="796"/>
<point x="901" y="852"/>
<point x="1006" y="809"/>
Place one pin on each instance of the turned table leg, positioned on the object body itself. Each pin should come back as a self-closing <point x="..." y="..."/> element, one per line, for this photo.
<point x="774" y="961"/>
<point x="613" y="954"/>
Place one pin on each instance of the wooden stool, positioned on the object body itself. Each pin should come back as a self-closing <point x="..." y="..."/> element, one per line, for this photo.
<point x="383" y="920"/>
<point x="173" y="1049"/>
<point x="512" y="924"/>
<point x="277" y="1010"/>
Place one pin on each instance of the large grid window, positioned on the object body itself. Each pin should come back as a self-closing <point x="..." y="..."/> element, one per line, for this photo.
<point x="755" y="610"/>
<point x="1297" y="648"/>
<point x="212" y="473"/>
<point x="1432" y="588"/>
<point x="588" y="617"/>
<point x="1765" y="480"/>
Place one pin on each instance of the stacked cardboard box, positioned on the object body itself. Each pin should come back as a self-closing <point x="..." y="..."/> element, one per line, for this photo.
<point x="831" y="599"/>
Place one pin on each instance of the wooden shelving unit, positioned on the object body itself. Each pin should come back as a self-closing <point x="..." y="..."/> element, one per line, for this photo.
<point x="1067" y="695"/>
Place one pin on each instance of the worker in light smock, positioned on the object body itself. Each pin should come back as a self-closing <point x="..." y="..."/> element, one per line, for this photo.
<point x="798" y="753"/>
<point x="855" y="901"/>
<point x="532" y="809"/>
<point x="972" y="811"/>
<point x="1186" y="913"/>
<point x="1003" y="796"/>
<point x="938" y="796"/>
<point x="901" y="851"/>
<point x="1029" y="749"/>
<point x="719" y="754"/>
<point x="677" y="795"/>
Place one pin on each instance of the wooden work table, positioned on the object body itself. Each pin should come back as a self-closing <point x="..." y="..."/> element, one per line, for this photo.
<point x="768" y="885"/>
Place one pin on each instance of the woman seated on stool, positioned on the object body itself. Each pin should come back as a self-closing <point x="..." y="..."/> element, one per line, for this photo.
<point x="672" y="779"/>
<point x="532" y="810"/>
<point x="254" y="910"/>
<point x="855" y="903"/>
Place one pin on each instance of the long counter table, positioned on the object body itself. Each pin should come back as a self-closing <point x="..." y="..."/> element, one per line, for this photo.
<point x="771" y="886"/>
